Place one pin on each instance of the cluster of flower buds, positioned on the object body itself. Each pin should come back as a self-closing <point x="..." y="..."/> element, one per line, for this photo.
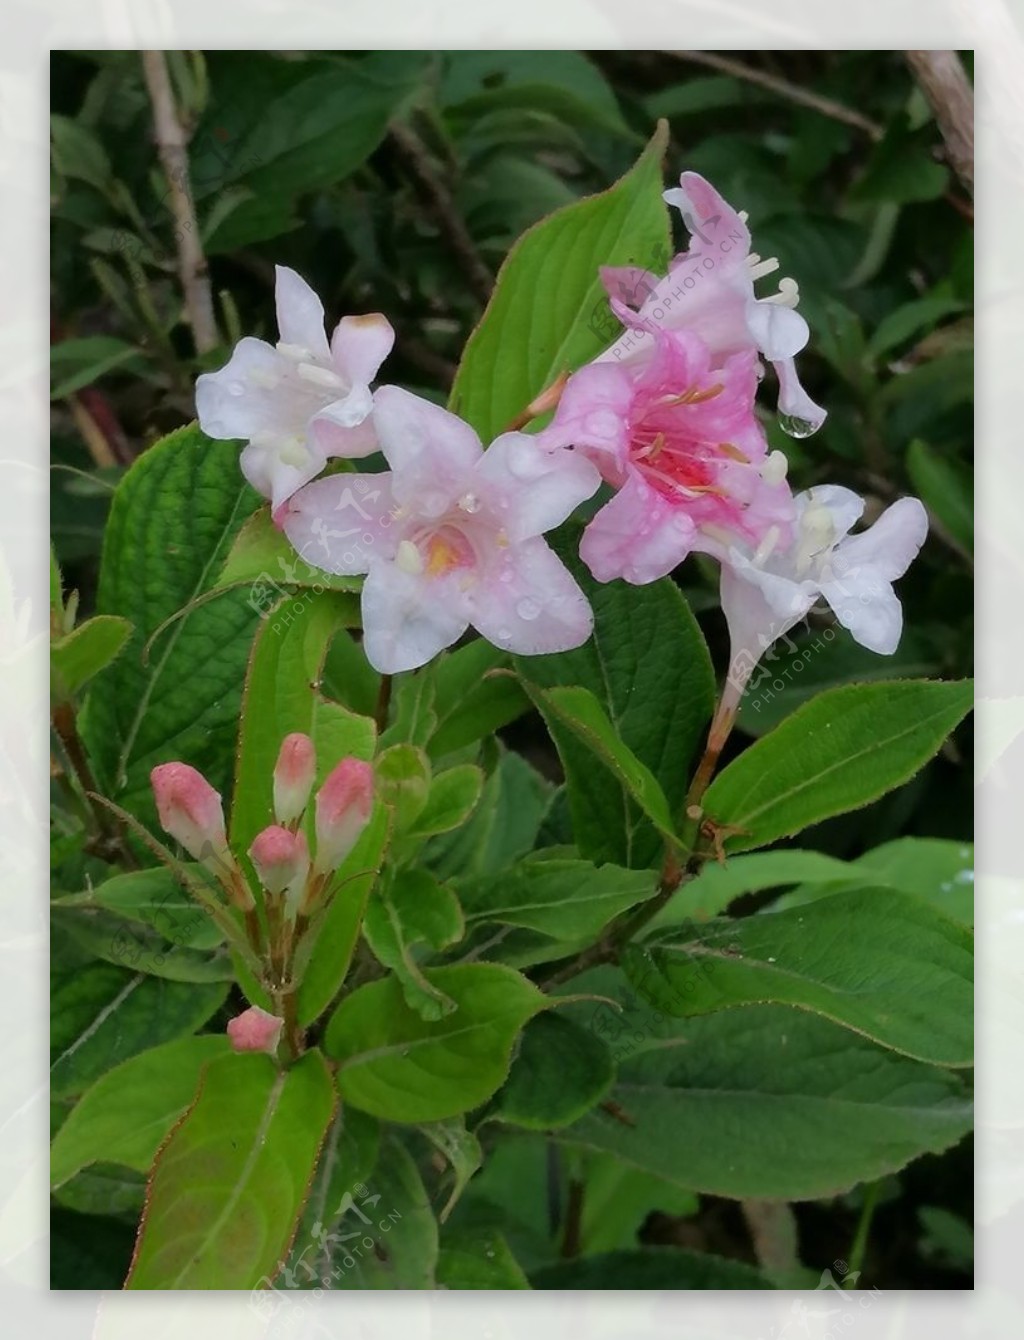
<point x="293" y="882"/>
<point x="452" y="536"/>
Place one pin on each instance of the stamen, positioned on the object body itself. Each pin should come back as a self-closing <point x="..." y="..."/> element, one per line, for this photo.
<point x="297" y="352"/>
<point x="766" y="548"/>
<point x="788" y="294"/>
<point x="309" y="372"/>
<point x="408" y="558"/>
<point x="760" y="268"/>
<point x="733" y="453"/>
<point x="775" y="468"/>
<point x="293" y="451"/>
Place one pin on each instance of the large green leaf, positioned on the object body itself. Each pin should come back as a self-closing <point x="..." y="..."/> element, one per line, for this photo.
<point x="79" y="655"/>
<point x="102" y="1014"/>
<point x="503" y="827"/>
<point x="878" y="961"/>
<point x="291" y="127"/>
<point x="263" y="559"/>
<point x="173" y="518"/>
<point x="398" y="1066"/>
<point x="157" y="898"/>
<point x="228" y="1187"/>
<point x="414" y="910"/>
<point x="126" y="1115"/>
<point x="561" y="1071"/>
<point x="648" y="666"/>
<point x="766" y="1102"/>
<point x="547" y="313"/>
<point x="566" y="899"/>
<point x="133" y="944"/>
<point x="836" y="753"/>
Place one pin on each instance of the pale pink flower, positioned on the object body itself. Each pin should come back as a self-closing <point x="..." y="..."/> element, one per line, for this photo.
<point x="343" y="807"/>
<point x="769" y="588"/>
<point x="299" y="402"/>
<point x="281" y="859"/>
<point x="710" y="290"/>
<point x="294" y="773"/>
<point x="679" y="441"/>
<point x="255" y="1031"/>
<point x="451" y="536"/>
<point x="190" y="810"/>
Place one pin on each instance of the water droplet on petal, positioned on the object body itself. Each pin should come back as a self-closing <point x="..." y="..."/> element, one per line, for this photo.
<point x="527" y="608"/>
<point x="469" y="502"/>
<point x="794" y="426"/>
<point x="502" y="636"/>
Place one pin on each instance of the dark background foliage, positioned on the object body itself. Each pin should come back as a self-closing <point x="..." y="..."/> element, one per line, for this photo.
<point x="396" y="182"/>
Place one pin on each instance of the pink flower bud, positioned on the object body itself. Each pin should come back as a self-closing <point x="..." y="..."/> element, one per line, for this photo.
<point x="293" y="776"/>
<point x="255" y="1031"/>
<point x="191" y="812"/>
<point x="343" y="806"/>
<point x="281" y="858"/>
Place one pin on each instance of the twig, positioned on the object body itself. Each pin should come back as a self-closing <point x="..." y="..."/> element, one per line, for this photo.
<point x="172" y="146"/>
<point x="414" y="151"/>
<point x="816" y="102"/>
<point x="944" y="83"/>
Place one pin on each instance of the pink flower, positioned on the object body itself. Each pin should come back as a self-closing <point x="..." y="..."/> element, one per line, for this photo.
<point x="255" y="1031"/>
<point x="710" y="290"/>
<point x="678" y="438"/>
<point x="768" y="589"/>
<point x="301" y="401"/>
<point x="343" y="807"/>
<point x="451" y="536"/>
<point x="294" y="773"/>
<point x="281" y="859"/>
<point x="191" y="812"/>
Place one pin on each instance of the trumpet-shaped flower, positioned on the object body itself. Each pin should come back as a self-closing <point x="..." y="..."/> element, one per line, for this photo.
<point x="450" y="536"/>
<point x="299" y="402"/>
<point x="709" y="289"/>
<point x="768" y="589"/>
<point x="678" y="439"/>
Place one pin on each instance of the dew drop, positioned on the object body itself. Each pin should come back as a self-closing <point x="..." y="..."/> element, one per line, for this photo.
<point x="794" y="426"/>
<point x="527" y="609"/>
<point x="469" y="502"/>
<point x="502" y="636"/>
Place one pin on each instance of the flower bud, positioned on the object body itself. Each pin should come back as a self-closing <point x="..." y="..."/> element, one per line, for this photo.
<point x="281" y="858"/>
<point x="293" y="776"/>
<point x="343" y="806"/>
<point x="191" y="812"/>
<point x="255" y="1031"/>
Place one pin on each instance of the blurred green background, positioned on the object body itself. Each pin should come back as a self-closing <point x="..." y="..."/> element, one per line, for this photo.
<point x="397" y="181"/>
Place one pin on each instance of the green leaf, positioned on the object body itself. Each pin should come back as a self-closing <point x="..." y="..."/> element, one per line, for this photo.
<point x="293" y="127"/>
<point x="875" y="960"/>
<point x="649" y="667"/>
<point x="946" y="489"/>
<point x="401" y="1067"/>
<point x="547" y="313"/>
<point x="797" y="669"/>
<point x="135" y="945"/>
<point x="619" y="1199"/>
<point x="263" y="559"/>
<point x="157" y="898"/>
<point x="79" y="655"/>
<point x="78" y="153"/>
<point x="566" y="899"/>
<point x="478" y="1259"/>
<point x="173" y="518"/>
<point x="393" y="1209"/>
<point x="87" y="1247"/>
<point x="228" y="1187"/>
<point x="78" y="363"/>
<point x="901" y="167"/>
<point x="125" y="1116"/>
<point x="503" y="827"/>
<point x="838" y="752"/>
<point x="560" y="1072"/>
<point x="580" y="711"/>
<point x="473" y="696"/>
<point x="461" y="1150"/>
<point x="692" y="1097"/>
<point x="101" y="1015"/>
<point x="414" y="910"/>
<point x="452" y="798"/>
<point x="403" y="781"/>
<point x="650" y="1268"/>
<point x="347" y="1159"/>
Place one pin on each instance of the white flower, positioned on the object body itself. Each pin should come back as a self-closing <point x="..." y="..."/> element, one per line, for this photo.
<point x="768" y="590"/>
<point x="299" y="402"/>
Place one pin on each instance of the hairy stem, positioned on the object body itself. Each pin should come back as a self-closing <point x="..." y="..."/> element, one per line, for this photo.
<point x="944" y="83"/>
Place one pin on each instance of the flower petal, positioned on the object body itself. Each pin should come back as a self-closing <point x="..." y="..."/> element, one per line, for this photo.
<point x="300" y="313"/>
<point x="869" y="608"/>
<point x="408" y="618"/>
<point x="639" y="536"/>
<point x="716" y="229"/>
<point x="276" y="479"/>
<point x="249" y="395"/>
<point x="360" y="345"/>
<point x="431" y="451"/>
<point x="593" y="412"/>
<point x="534" y="488"/>
<point x="794" y="402"/>
<point x="530" y="603"/>
<point x="344" y="427"/>
<point x="844" y="506"/>
<point x="778" y="331"/>
<point x="342" y="523"/>
<point x="890" y="545"/>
